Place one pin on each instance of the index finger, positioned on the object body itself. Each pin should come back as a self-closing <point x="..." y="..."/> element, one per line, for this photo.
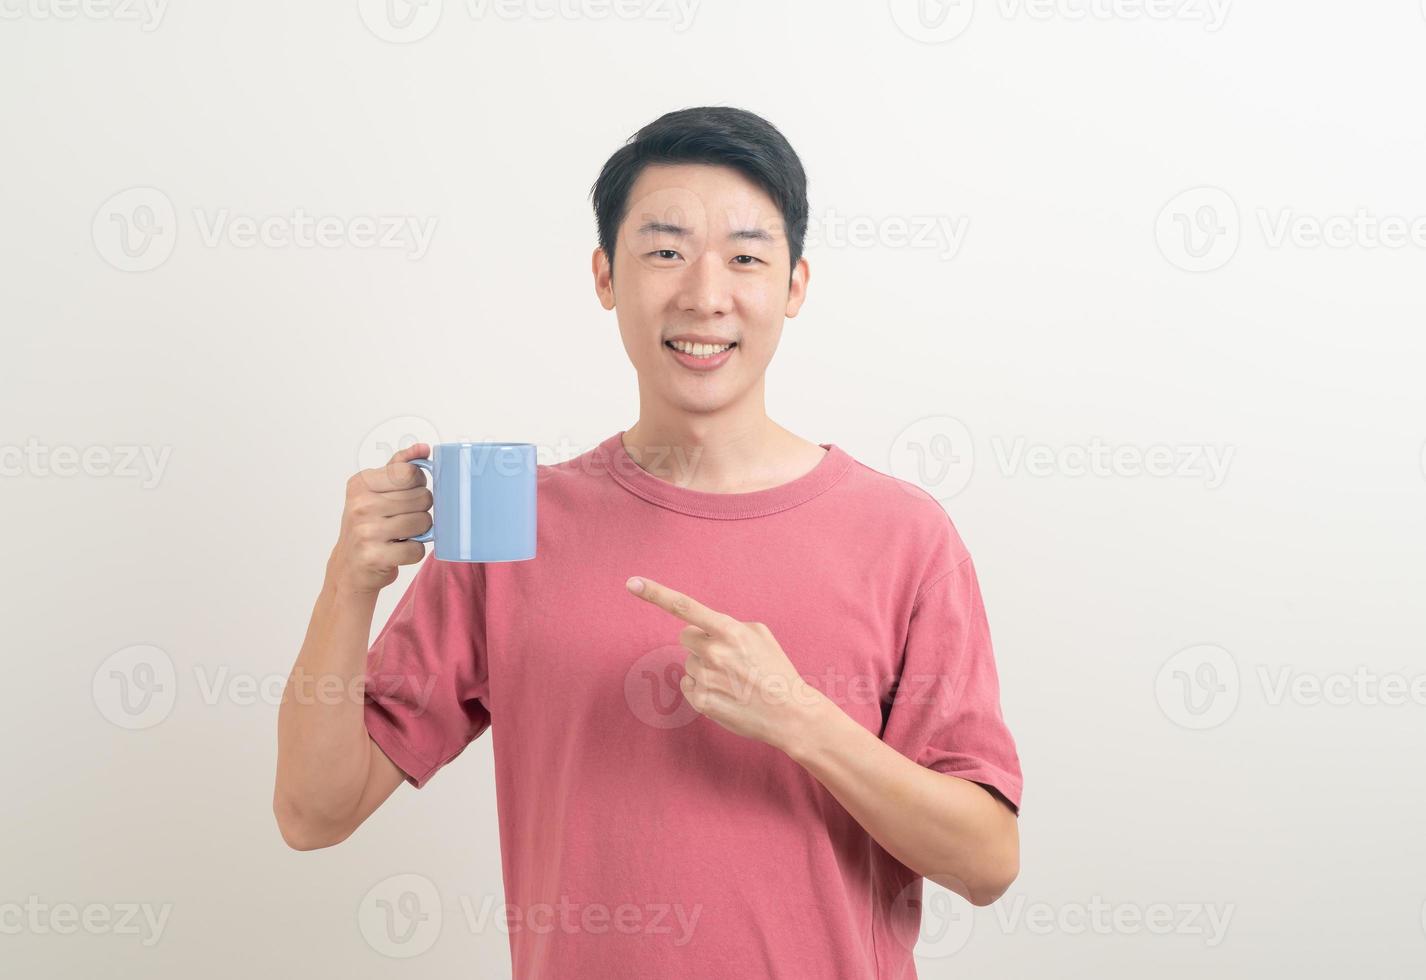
<point x="398" y="473"/>
<point x="686" y="608"/>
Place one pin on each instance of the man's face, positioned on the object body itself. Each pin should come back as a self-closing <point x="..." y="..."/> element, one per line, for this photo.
<point x="701" y="254"/>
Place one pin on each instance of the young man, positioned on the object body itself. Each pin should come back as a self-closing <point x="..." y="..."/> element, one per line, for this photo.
<point x="744" y="699"/>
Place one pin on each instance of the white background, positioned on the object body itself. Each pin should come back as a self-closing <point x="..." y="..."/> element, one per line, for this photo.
<point x="1060" y="139"/>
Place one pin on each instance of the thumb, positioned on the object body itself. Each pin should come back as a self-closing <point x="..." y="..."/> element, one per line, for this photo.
<point x="417" y="450"/>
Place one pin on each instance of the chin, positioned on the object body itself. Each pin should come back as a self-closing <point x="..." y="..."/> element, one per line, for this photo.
<point x="701" y="403"/>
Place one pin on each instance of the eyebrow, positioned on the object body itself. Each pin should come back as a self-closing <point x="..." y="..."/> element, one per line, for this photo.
<point x="738" y="235"/>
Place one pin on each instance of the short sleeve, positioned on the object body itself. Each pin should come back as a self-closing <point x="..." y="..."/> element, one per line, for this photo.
<point x="945" y="710"/>
<point x="427" y="686"/>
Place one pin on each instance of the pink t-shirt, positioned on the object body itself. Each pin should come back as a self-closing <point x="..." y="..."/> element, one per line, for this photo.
<point x="640" y="839"/>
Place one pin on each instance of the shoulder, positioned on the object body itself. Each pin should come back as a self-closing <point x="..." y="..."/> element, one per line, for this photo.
<point x="570" y="475"/>
<point x="910" y="520"/>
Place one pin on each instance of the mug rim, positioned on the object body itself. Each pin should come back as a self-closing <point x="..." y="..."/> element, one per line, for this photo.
<point x="497" y="445"/>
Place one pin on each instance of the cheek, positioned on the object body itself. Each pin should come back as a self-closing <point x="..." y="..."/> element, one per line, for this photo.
<point x="759" y="299"/>
<point x="761" y="309"/>
<point x="649" y="294"/>
<point x="640" y="301"/>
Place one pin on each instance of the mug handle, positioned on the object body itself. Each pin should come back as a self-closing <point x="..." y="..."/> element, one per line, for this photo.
<point x="426" y="536"/>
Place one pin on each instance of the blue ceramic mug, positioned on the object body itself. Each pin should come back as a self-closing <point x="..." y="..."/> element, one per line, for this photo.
<point x="484" y="496"/>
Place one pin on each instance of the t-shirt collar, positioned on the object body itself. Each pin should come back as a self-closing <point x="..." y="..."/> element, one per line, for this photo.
<point x="621" y="466"/>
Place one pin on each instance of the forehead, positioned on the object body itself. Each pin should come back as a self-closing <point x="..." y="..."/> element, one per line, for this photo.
<point x="699" y="196"/>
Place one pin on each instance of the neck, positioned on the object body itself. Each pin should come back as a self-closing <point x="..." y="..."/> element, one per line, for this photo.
<point x="719" y="453"/>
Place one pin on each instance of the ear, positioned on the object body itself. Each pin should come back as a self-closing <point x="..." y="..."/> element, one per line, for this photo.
<point x="797" y="288"/>
<point x="603" y="279"/>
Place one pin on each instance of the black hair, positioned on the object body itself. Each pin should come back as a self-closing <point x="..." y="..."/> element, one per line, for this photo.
<point x="715" y="135"/>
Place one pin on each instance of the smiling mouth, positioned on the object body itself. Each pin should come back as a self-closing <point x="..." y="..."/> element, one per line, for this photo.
<point x="699" y="350"/>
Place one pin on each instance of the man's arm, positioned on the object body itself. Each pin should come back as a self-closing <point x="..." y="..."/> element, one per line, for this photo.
<point x="948" y="829"/>
<point x="943" y="827"/>
<point x="331" y="776"/>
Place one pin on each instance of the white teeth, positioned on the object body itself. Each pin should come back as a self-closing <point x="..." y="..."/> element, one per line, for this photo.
<point x="699" y="350"/>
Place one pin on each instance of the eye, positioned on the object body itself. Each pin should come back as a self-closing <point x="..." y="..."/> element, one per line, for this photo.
<point x="664" y="253"/>
<point x="751" y="259"/>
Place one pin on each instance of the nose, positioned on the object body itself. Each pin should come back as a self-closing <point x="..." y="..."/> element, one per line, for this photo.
<point x="706" y="290"/>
